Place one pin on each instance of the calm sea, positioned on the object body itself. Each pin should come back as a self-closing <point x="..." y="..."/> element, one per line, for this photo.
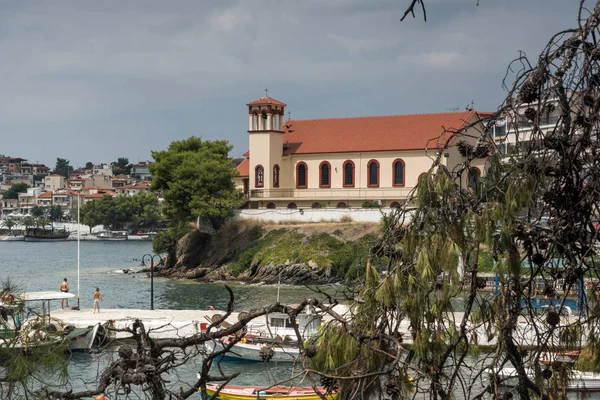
<point x="43" y="266"/>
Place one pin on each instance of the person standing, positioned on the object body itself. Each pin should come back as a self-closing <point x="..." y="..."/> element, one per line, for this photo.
<point x="64" y="287"/>
<point x="97" y="298"/>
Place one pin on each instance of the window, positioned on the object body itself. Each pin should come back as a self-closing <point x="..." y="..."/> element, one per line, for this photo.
<point x="324" y="175"/>
<point x="292" y="206"/>
<point x="271" y="205"/>
<point x="276" y="176"/>
<point x="373" y="173"/>
<point x="301" y="175"/>
<point x="474" y="175"/>
<point x="395" y="204"/>
<point x="316" y="204"/>
<point x="259" y="176"/>
<point x="341" y="204"/>
<point x="398" y="173"/>
<point x="348" y="174"/>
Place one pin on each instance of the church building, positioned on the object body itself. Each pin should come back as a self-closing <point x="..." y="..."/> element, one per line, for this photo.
<point x="344" y="162"/>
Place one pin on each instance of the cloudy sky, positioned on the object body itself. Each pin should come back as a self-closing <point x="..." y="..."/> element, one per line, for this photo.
<point x="96" y="80"/>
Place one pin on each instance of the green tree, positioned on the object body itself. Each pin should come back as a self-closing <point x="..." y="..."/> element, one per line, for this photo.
<point x="63" y="167"/>
<point x="90" y="214"/>
<point x="15" y="189"/>
<point x="37" y="211"/>
<point x="121" y="166"/>
<point x="89" y="165"/>
<point x="196" y="180"/>
<point x="55" y="213"/>
<point x="28" y="221"/>
<point x="9" y="224"/>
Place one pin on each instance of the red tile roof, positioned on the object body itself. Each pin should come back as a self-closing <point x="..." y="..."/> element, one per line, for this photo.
<point x="265" y="100"/>
<point x="45" y="195"/>
<point x="394" y="132"/>
<point x="247" y="153"/>
<point x="141" y="186"/>
<point x="244" y="168"/>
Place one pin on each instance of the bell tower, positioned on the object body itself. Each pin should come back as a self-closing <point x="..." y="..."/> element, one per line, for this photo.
<point x="265" y="128"/>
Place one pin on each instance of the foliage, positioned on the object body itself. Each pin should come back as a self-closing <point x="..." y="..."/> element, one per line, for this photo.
<point x="371" y="204"/>
<point x="37" y="211"/>
<point x="55" y="213"/>
<point x="121" y="166"/>
<point x="166" y="241"/>
<point x="63" y="167"/>
<point x="284" y="245"/>
<point x="14" y="190"/>
<point x="536" y="205"/>
<point x="121" y="212"/>
<point x="89" y="165"/>
<point x="196" y="180"/>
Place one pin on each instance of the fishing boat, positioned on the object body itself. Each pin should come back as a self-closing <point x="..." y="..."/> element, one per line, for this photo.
<point x="250" y="348"/>
<point x="46" y="235"/>
<point x="579" y="381"/>
<point x="14" y="327"/>
<point x="231" y="392"/>
<point x="270" y="339"/>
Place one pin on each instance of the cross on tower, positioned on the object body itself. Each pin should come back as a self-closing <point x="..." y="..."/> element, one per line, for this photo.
<point x="266" y="92"/>
<point x="289" y="115"/>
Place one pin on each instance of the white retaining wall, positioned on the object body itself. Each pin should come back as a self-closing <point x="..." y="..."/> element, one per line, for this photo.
<point x="314" y="214"/>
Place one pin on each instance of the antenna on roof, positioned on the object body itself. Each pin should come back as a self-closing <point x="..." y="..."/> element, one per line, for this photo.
<point x="470" y="106"/>
<point x="289" y="115"/>
<point x="266" y="92"/>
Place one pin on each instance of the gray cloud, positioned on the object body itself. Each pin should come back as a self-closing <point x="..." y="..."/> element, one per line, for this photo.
<point x="98" y="80"/>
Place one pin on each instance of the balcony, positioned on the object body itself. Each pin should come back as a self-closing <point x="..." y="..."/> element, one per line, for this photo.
<point x="523" y="123"/>
<point x="332" y="194"/>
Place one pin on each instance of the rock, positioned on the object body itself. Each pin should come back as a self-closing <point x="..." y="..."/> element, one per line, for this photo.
<point x="313" y="264"/>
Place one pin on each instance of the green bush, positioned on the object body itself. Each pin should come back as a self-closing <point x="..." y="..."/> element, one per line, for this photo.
<point x="485" y="261"/>
<point x="371" y="204"/>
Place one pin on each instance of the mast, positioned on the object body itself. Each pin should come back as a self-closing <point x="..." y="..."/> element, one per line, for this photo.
<point x="78" y="237"/>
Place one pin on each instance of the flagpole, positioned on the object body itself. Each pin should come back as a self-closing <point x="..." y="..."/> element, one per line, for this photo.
<point x="78" y="237"/>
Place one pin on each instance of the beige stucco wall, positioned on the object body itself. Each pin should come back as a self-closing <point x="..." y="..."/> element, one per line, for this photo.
<point x="265" y="149"/>
<point x="54" y="182"/>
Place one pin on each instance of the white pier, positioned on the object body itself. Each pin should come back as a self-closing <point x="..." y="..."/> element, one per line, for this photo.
<point x="161" y="323"/>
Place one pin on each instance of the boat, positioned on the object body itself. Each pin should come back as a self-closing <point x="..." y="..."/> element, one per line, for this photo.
<point x="271" y="339"/>
<point x="111" y="235"/>
<point x="16" y="328"/>
<point x="580" y="381"/>
<point x="251" y="349"/>
<point x="46" y="235"/>
<point x="232" y="392"/>
<point x="563" y="357"/>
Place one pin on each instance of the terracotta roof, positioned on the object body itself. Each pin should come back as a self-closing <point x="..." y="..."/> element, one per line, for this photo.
<point x="265" y="100"/>
<point x="393" y="132"/>
<point x="141" y="186"/>
<point x="45" y="195"/>
<point x="244" y="168"/>
<point x="95" y="195"/>
<point x="247" y="153"/>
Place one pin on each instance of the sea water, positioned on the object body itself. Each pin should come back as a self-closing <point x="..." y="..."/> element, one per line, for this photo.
<point x="41" y="266"/>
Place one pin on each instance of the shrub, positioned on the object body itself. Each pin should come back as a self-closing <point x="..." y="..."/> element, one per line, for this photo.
<point x="371" y="204"/>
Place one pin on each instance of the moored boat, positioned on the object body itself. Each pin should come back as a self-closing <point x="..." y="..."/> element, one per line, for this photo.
<point x="111" y="235"/>
<point x="579" y="381"/>
<point x="46" y="235"/>
<point x="249" y="350"/>
<point x="232" y="392"/>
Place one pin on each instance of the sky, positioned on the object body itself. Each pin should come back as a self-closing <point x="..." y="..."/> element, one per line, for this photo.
<point x="97" y="80"/>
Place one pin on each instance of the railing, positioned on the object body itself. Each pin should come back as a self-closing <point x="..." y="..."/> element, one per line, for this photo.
<point x="323" y="194"/>
<point x="523" y="122"/>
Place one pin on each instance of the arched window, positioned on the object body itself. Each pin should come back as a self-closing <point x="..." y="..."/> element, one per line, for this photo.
<point x="271" y="205"/>
<point x="259" y="176"/>
<point x="341" y="204"/>
<point x="316" y="204"/>
<point x="474" y="175"/>
<point x="395" y="204"/>
<point x="398" y="172"/>
<point x="276" y="176"/>
<point x="348" y="173"/>
<point x="292" y="205"/>
<point x="301" y="175"/>
<point x="373" y="173"/>
<point x="325" y="175"/>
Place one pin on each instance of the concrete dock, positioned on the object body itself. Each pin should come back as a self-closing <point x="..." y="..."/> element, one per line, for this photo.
<point x="162" y="323"/>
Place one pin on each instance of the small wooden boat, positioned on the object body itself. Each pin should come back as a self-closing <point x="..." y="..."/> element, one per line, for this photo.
<point x="563" y="357"/>
<point x="232" y="392"/>
<point x="46" y="235"/>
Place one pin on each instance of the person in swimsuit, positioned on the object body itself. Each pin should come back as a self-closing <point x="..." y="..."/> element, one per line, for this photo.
<point x="64" y="287"/>
<point x="97" y="298"/>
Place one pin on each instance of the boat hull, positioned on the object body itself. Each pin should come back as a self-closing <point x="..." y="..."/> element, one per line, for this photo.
<point x="46" y="239"/>
<point x="257" y="392"/>
<point x="580" y="381"/>
<point x="252" y="351"/>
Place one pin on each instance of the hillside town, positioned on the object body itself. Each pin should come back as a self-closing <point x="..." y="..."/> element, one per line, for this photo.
<point x="45" y="188"/>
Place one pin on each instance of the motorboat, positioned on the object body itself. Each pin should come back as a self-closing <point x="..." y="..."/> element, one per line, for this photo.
<point x="250" y="348"/>
<point x="232" y="392"/>
<point x="111" y="235"/>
